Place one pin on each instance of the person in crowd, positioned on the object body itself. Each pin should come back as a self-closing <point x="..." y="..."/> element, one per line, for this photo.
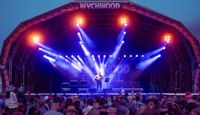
<point x="77" y="107"/>
<point x="11" y="102"/>
<point x="196" y="111"/>
<point x="122" y="108"/>
<point x="70" y="110"/>
<point x="88" y="106"/>
<point x="54" y="107"/>
<point x="95" y="110"/>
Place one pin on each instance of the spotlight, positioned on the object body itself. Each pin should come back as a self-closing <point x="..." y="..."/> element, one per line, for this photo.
<point x="81" y="43"/>
<point x="110" y="55"/>
<point x="131" y="56"/>
<point x="142" y="55"/>
<point x="167" y="38"/>
<point x="159" y="55"/>
<point x="124" y="21"/>
<point x="124" y="55"/>
<point x="122" y="42"/>
<point x="164" y="48"/>
<point x="36" y="39"/>
<point x="79" y="21"/>
<point x="98" y="56"/>
<point x="93" y="56"/>
<point x="136" y="55"/>
<point x="61" y="56"/>
<point x="72" y="56"/>
<point x="124" y="32"/>
<point x="104" y="55"/>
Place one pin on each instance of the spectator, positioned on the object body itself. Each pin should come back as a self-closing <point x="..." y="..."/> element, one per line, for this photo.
<point x="70" y="110"/>
<point x="122" y="108"/>
<point x="54" y="107"/>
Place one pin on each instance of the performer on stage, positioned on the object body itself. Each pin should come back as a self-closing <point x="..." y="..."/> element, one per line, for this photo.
<point x="98" y="79"/>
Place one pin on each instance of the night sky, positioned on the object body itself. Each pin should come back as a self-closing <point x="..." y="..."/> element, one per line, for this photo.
<point x="12" y="12"/>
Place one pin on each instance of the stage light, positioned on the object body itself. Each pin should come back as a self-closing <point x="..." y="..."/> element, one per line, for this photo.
<point x="124" y="55"/>
<point x="142" y="55"/>
<point x="124" y="32"/>
<point x="36" y="39"/>
<point x="122" y="42"/>
<point x="131" y="56"/>
<point x="136" y="55"/>
<point x="80" y="37"/>
<point x="79" y="21"/>
<point x="104" y="56"/>
<point x="60" y="56"/>
<point x="167" y="38"/>
<point x="164" y="48"/>
<point x="81" y="43"/>
<point x="110" y="55"/>
<point x="123" y="21"/>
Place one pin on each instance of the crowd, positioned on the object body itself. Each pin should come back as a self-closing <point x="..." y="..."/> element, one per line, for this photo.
<point x="19" y="104"/>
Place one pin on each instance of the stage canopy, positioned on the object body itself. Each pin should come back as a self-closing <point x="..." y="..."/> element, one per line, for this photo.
<point x="57" y="47"/>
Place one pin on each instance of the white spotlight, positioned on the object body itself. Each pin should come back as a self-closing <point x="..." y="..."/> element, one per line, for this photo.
<point x="124" y="55"/>
<point x="131" y="56"/>
<point x="164" y="48"/>
<point x="136" y="55"/>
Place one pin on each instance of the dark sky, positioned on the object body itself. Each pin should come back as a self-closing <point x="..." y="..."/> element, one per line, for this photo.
<point x="12" y="12"/>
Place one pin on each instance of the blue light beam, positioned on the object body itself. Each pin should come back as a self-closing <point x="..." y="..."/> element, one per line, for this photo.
<point x="49" y="58"/>
<point x="86" y="38"/>
<point x="155" y="52"/>
<point x="144" y="64"/>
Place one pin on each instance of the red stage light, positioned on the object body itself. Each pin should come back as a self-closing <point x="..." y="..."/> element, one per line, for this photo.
<point x="167" y="38"/>
<point x="123" y="21"/>
<point x="79" y="21"/>
<point x="34" y="38"/>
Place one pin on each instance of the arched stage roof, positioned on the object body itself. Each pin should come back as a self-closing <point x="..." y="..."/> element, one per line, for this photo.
<point x="7" y="50"/>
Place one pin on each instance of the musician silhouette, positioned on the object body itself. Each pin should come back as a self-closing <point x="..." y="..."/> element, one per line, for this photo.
<point x="98" y="79"/>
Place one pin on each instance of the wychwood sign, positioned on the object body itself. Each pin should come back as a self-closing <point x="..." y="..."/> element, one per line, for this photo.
<point x="99" y="5"/>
